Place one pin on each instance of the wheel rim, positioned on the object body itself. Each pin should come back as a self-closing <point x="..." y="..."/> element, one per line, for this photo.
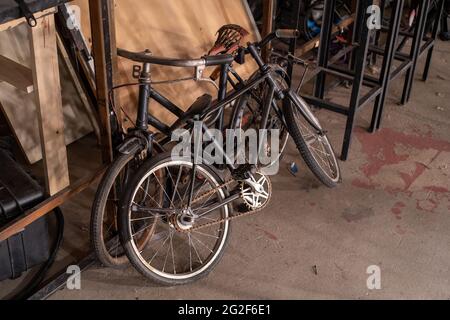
<point x="170" y="253"/>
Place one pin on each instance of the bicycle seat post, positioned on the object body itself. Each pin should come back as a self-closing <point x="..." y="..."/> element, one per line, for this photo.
<point x="144" y="95"/>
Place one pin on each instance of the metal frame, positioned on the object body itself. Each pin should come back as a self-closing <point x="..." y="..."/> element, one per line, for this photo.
<point x="420" y="45"/>
<point x="360" y="48"/>
<point x="355" y="74"/>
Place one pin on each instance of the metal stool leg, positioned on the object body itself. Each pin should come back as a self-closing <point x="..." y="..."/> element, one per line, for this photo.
<point x="394" y="29"/>
<point x="324" y="48"/>
<point x="434" y="37"/>
<point x="418" y="36"/>
<point x="360" y="66"/>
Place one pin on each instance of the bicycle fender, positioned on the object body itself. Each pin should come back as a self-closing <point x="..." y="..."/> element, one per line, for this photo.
<point x="303" y="107"/>
<point x="131" y="146"/>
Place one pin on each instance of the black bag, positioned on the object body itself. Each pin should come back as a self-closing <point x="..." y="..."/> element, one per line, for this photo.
<point x="18" y="193"/>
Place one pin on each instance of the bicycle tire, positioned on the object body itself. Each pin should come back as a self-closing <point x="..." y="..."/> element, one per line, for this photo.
<point x="98" y="214"/>
<point x="307" y="154"/>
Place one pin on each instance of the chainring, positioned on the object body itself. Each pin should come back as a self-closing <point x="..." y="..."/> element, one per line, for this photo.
<point x="257" y="200"/>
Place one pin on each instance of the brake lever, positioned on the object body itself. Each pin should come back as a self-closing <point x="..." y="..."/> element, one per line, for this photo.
<point x="199" y="76"/>
<point x="298" y="60"/>
<point x="291" y="57"/>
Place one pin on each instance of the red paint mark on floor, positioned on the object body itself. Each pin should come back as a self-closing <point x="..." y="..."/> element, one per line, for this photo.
<point x="397" y="210"/>
<point x="381" y="150"/>
<point x="381" y="147"/>
<point x="437" y="189"/>
<point x="428" y="205"/>
<point x="410" y="179"/>
<point x="363" y="184"/>
<point x="271" y="236"/>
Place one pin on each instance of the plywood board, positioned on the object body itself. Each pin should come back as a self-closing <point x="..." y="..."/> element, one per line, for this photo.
<point x="20" y="108"/>
<point x="175" y="28"/>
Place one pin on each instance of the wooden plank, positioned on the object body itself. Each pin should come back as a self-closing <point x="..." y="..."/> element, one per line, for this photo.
<point x="16" y="74"/>
<point x="49" y="104"/>
<point x="268" y="19"/>
<point x="17" y="22"/>
<point x="49" y="205"/>
<point x="314" y="43"/>
<point x="102" y="60"/>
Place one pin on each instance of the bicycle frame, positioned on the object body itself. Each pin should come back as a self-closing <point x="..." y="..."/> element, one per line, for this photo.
<point x="147" y="92"/>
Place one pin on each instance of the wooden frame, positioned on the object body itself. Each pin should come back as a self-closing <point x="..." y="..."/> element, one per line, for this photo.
<point x="48" y="93"/>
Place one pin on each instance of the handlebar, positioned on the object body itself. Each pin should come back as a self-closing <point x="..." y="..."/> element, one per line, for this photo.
<point x="146" y="57"/>
<point x="287" y="33"/>
<point x="279" y="34"/>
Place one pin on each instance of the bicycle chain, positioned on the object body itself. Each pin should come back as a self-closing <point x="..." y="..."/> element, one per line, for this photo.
<point x="210" y="193"/>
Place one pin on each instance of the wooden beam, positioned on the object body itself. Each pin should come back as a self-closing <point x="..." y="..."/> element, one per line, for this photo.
<point x="314" y="43"/>
<point x="268" y="17"/>
<point x="19" y="224"/>
<point x="49" y="103"/>
<point x="16" y="74"/>
<point x="105" y="56"/>
<point x="37" y="15"/>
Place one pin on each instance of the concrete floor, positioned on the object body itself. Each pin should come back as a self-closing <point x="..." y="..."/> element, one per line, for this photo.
<point x="392" y="210"/>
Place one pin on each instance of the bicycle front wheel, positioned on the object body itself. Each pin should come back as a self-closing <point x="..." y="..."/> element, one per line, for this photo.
<point x="177" y="252"/>
<point x="314" y="146"/>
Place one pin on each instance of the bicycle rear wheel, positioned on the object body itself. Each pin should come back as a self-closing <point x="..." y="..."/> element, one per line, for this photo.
<point x="104" y="227"/>
<point x="314" y="147"/>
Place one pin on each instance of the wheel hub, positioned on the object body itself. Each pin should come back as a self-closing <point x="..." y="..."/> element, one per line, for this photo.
<point x="183" y="222"/>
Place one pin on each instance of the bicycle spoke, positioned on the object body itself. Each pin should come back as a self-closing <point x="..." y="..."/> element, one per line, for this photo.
<point x="190" y="253"/>
<point x="168" y="251"/>
<point x="151" y="198"/>
<point x="176" y="184"/>
<point x="195" y="249"/>
<point x="162" y="245"/>
<point x="204" y="245"/>
<point x="144" y="219"/>
<point x="206" y="235"/>
<point x="173" y="255"/>
<point x="165" y="193"/>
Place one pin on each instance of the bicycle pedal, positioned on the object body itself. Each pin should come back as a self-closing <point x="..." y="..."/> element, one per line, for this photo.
<point x="242" y="208"/>
<point x="243" y="172"/>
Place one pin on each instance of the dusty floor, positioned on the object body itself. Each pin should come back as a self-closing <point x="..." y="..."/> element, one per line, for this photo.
<point x="392" y="210"/>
